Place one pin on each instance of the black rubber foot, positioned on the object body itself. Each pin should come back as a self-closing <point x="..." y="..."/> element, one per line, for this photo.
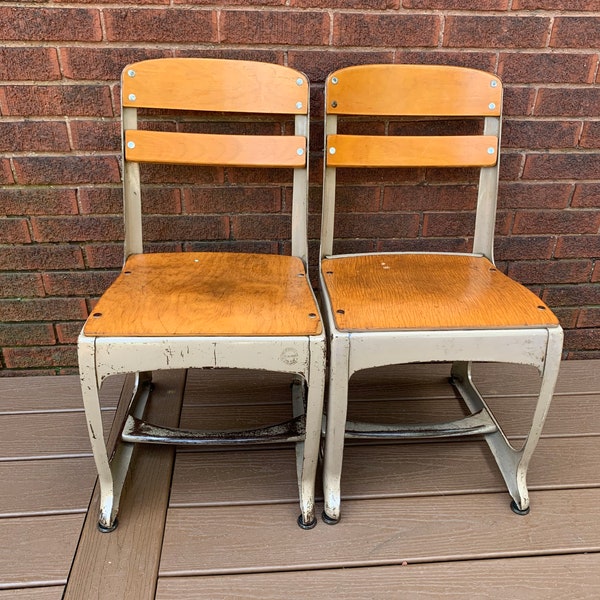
<point x="104" y="529"/>
<point x="327" y="519"/>
<point x="519" y="511"/>
<point x="304" y="525"/>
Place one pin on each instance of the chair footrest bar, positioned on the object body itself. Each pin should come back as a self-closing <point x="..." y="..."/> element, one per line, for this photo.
<point x="138" y="431"/>
<point x="478" y="423"/>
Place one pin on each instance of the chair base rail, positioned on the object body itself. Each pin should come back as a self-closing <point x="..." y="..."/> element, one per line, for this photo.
<point x="479" y="423"/>
<point x="138" y="431"/>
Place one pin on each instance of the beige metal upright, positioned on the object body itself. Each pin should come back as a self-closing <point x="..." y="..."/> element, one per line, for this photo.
<point x="409" y="307"/>
<point x="208" y="309"/>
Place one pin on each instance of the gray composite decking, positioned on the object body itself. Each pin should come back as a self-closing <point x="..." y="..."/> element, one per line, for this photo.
<point x="420" y="520"/>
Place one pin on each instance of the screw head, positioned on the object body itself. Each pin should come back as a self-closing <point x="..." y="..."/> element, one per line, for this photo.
<point x="132" y="97"/>
<point x="131" y="145"/>
<point x="494" y="83"/>
<point x="299" y="81"/>
<point x="131" y="73"/>
<point x="491" y="151"/>
<point x="334" y="104"/>
<point x="298" y="104"/>
<point x="331" y="150"/>
<point x="334" y="80"/>
<point x="300" y="151"/>
<point x="492" y="106"/>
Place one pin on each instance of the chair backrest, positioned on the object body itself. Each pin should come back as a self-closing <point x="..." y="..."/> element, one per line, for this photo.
<point x="421" y="93"/>
<point x="214" y="86"/>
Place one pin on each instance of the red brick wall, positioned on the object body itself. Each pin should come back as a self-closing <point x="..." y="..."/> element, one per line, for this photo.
<point x="59" y="169"/>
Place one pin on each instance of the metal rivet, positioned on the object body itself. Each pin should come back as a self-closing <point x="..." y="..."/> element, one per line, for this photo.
<point x="331" y="150"/>
<point x="334" y="80"/>
<point x="491" y="106"/>
<point x="334" y="104"/>
<point x="299" y="81"/>
<point x="491" y="150"/>
<point x="132" y="97"/>
<point x="300" y="151"/>
<point x="494" y="83"/>
<point x="131" y="145"/>
<point x="131" y="73"/>
<point x="298" y="104"/>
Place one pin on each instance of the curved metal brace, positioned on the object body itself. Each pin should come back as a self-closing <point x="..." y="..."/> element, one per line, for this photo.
<point x="479" y="423"/>
<point x="138" y="431"/>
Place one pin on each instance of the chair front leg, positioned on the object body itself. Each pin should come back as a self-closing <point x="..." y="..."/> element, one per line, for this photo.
<point x="312" y="441"/>
<point x="337" y="409"/>
<point x="513" y="464"/>
<point x="91" y="402"/>
<point x="520" y="504"/>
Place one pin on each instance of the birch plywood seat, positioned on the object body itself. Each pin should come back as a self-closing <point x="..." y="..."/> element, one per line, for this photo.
<point x="208" y="309"/>
<point x="394" y="308"/>
<point x="423" y="291"/>
<point x="207" y="293"/>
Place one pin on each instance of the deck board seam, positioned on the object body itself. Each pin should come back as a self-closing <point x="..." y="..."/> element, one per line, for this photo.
<point x="379" y="563"/>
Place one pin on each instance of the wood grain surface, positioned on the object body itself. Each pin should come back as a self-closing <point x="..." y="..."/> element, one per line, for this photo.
<point x="206" y="293"/>
<point x="422" y="291"/>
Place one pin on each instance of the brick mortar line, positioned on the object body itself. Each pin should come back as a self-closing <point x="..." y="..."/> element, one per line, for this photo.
<point x="217" y="13"/>
<point x="580" y="133"/>
<point x="70" y="136"/>
<point x="550" y="119"/>
<point x="184" y="46"/>
<point x="509" y="13"/>
<point x="57" y="119"/>
<point x="550" y="30"/>
<point x="70" y="153"/>
<point x="540" y="13"/>
<point x="331" y="26"/>
<point x="316" y="84"/>
<point x="102" y="24"/>
<point x="66" y="186"/>
<point x="154" y="45"/>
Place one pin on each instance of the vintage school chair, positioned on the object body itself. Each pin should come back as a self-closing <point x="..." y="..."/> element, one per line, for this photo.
<point x="208" y="309"/>
<point x="411" y="307"/>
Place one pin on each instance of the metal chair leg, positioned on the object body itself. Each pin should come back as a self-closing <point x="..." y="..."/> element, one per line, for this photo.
<point x="311" y="445"/>
<point x="513" y="464"/>
<point x="337" y="409"/>
<point x="91" y="402"/>
<point x="111" y="471"/>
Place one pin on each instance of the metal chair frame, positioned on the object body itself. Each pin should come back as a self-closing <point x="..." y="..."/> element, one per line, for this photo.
<point x="212" y="85"/>
<point x="424" y="92"/>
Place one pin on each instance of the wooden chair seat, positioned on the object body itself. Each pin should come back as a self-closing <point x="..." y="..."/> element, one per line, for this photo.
<point x="207" y="294"/>
<point x="428" y="291"/>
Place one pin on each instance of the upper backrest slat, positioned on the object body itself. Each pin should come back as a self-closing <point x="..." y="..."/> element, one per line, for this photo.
<point x="205" y="85"/>
<point x="409" y="90"/>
